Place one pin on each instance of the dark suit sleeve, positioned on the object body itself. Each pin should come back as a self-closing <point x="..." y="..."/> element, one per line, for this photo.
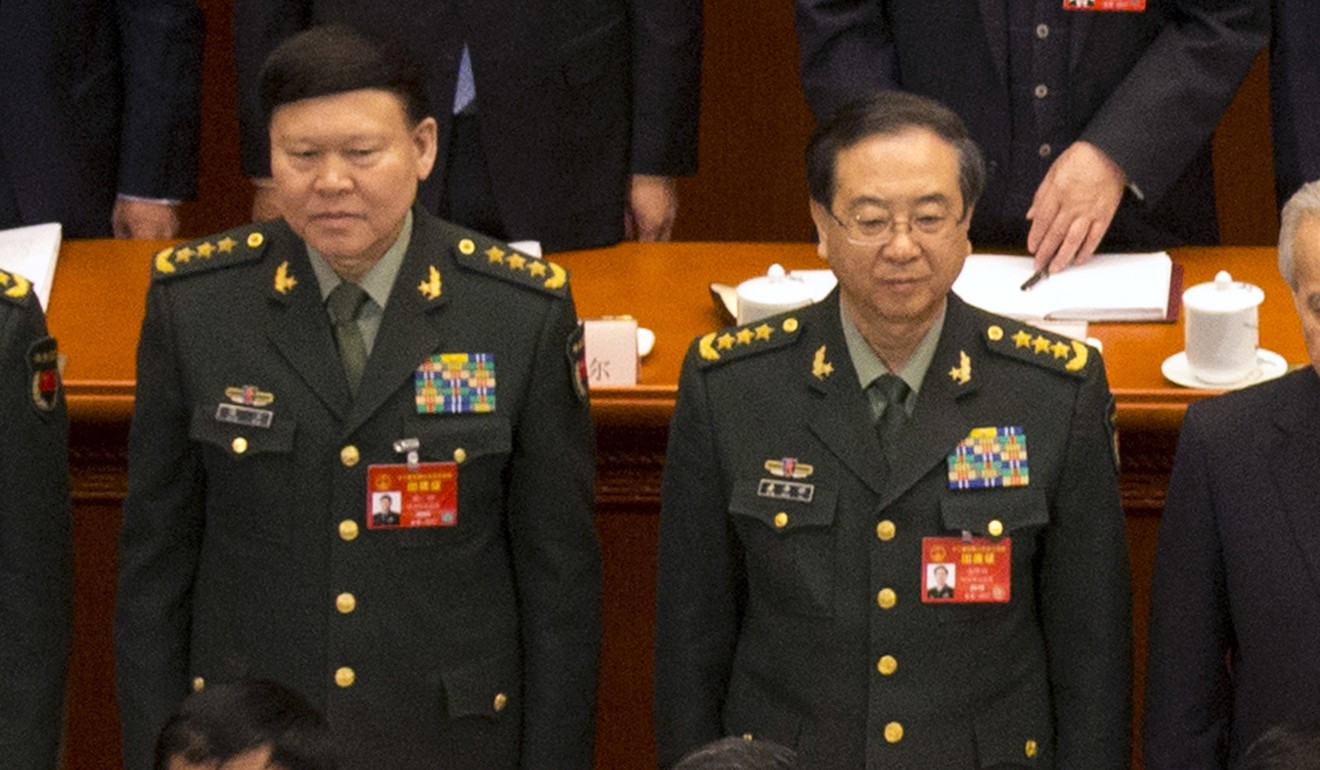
<point x="159" y="544"/>
<point x="1153" y="124"/>
<point x="846" y="51"/>
<point x="556" y="557"/>
<point x="666" y="75"/>
<point x="697" y="605"/>
<point x="1188" y="698"/>
<point x="1085" y="590"/>
<point x="161" y="44"/>
<point x="260" y="26"/>
<point x="1295" y="95"/>
<point x="36" y="554"/>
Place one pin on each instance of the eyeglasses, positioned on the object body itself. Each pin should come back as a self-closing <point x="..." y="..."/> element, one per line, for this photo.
<point x="876" y="227"/>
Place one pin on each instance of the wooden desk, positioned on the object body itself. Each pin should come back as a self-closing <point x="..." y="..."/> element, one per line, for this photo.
<point x="97" y="306"/>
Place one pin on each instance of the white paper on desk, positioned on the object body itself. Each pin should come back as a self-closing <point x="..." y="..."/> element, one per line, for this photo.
<point x="1110" y="287"/>
<point x="31" y="252"/>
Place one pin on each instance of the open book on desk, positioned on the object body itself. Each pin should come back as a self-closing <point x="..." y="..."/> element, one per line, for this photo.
<point x="1110" y="287"/>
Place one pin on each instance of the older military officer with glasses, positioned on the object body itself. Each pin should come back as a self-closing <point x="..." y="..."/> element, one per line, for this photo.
<point x="823" y="464"/>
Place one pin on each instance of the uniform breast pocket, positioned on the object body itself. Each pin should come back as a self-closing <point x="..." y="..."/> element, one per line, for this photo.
<point x="1016" y="515"/>
<point x="250" y="475"/>
<point x="479" y="447"/>
<point x="788" y="544"/>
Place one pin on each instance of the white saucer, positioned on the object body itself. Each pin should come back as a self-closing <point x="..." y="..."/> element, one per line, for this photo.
<point x="1268" y="366"/>
<point x="645" y="341"/>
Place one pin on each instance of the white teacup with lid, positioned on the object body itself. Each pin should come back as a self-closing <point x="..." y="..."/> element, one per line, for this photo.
<point x="1221" y="329"/>
<point x="774" y="292"/>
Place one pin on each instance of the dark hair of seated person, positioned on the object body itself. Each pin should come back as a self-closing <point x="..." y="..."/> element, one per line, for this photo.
<point x="734" y="753"/>
<point x="223" y="721"/>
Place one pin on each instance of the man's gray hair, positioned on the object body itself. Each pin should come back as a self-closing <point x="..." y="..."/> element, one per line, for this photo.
<point x="1305" y="203"/>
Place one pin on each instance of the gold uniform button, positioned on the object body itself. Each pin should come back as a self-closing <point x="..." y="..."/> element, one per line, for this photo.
<point x="344" y="676"/>
<point x="349" y="456"/>
<point x="198" y="683"/>
<point x="501" y="700"/>
<point x="348" y="530"/>
<point x="781" y="520"/>
<point x="790" y="325"/>
<point x="893" y="732"/>
<point x="887" y="665"/>
<point x="239" y="445"/>
<point x="460" y="455"/>
<point x="886" y="598"/>
<point x="255" y="240"/>
<point x="747" y="737"/>
<point x="995" y="528"/>
<point x="345" y="603"/>
<point x="1030" y="750"/>
<point x="886" y="530"/>
<point x="467" y="246"/>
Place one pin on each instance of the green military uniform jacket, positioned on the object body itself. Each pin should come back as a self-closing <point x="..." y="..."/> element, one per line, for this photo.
<point x="798" y="616"/>
<point x="246" y="550"/>
<point x="36" y="539"/>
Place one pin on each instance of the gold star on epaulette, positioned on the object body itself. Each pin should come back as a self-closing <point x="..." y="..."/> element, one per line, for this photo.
<point x="205" y="250"/>
<point x="226" y="244"/>
<point x="183" y="255"/>
<point x="738" y="342"/>
<point x="1025" y="344"/>
<point x="516" y="261"/>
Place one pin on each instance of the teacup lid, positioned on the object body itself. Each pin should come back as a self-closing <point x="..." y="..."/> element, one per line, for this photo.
<point x="775" y="288"/>
<point x="1223" y="295"/>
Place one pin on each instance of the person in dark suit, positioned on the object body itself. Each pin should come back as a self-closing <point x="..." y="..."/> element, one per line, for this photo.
<point x="794" y="540"/>
<point x="584" y="111"/>
<point x="469" y="640"/>
<point x="246" y="725"/>
<point x="1231" y="655"/>
<point x="99" y="114"/>
<point x="36" y="539"/>
<point x="1295" y="95"/>
<point x="1096" y="124"/>
<point x="940" y="588"/>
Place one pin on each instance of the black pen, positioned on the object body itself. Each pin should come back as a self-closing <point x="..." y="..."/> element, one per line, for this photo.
<point x="1036" y="278"/>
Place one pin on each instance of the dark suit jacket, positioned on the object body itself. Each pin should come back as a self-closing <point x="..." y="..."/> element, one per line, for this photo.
<point x="98" y="97"/>
<point x="1232" y="655"/>
<point x="1295" y="95"/>
<point x="770" y="624"/>
<point x="573" y="96"/>
<point x="36" y="542"/>
<point x="1147" y="88"/>
<point x="466" y="644"/>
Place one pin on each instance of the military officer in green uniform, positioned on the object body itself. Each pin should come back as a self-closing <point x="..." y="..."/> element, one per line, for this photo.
<point x="36" y="540"/>
<point x="289" y="374"/>
<point x="821" y="462"/>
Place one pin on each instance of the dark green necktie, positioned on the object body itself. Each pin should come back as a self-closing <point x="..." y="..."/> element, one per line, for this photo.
<point x="344" y="304"/>
<point x="889" y="424"/>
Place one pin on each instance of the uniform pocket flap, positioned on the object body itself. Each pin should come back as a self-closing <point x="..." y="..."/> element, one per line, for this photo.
<point x="444" y="438"/>
<point x="259" y="432"/>
<point x="784" y="505"/>
<point x="994" y="512"/>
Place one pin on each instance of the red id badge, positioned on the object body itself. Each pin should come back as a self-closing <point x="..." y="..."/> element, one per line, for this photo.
<point x="955" y="570"/>
<point x="400" y="498"/>
<point x="1129" y="6"/>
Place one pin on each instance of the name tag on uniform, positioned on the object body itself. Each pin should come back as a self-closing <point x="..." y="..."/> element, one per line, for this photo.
<point x="957" y="570"/>
<point x="401" y="498"/>
<point x="1130" y="6"/>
